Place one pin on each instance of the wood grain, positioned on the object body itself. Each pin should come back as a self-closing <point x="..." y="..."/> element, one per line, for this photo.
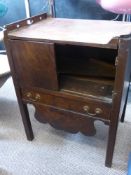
<point x="57" y="29"/>
<point x="65" y="120"/>
<point x="37" y="60"/>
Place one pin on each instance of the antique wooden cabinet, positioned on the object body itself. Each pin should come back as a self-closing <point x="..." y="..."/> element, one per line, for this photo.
<point x="73" y="71"/>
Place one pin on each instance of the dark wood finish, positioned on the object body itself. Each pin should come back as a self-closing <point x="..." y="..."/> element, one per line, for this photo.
<point x="119" y="98"/>
<point x="26" y="22"/>
<point x="72" y="73"/>
<point x="65" y="120"/>
<point x="23" y="107"/>
<point x="87" y="86"/>
<point x="38" y="61"/>
<point x="56" y="30"/>
<point x="65" y="102"/>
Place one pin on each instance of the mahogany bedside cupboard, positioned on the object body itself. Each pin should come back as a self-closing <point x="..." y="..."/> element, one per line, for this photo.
<point x="73" y="71"/>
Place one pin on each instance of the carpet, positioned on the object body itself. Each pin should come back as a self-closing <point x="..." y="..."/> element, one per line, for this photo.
<point x="54" y="152"/>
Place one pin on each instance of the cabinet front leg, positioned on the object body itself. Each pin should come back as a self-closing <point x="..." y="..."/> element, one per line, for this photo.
<point x="111" y="143"/>
<point x="26" y="120"/>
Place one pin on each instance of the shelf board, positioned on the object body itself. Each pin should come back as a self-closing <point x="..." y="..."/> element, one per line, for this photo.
<point x="86" y="86"/>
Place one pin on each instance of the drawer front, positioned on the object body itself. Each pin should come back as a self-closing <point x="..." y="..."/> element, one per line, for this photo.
<point x="90" y="108"/>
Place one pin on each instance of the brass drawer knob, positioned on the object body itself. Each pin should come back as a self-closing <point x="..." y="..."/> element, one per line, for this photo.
<point x="98" y="111"/>
<point x="32" y="97"/>
<point x="29" y="94"/>
<point x="86" y="108"/>
<point x="37" y="97"/>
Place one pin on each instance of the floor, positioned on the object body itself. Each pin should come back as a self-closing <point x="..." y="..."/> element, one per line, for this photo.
<point x="54" y="152"/>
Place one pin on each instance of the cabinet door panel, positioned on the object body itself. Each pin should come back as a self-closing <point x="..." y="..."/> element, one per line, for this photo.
<point x="35" y="64"/>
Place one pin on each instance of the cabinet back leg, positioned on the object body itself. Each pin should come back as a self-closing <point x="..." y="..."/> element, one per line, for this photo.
<point x="125" y="105"/>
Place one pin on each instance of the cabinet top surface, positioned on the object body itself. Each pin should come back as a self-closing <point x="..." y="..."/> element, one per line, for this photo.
<point x="73" y="30"/>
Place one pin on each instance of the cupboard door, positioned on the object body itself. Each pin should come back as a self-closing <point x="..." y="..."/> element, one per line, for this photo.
<point x="35" y="64"/>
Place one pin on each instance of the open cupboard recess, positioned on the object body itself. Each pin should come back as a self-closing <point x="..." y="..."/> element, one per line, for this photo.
<point x="85" y="70"/>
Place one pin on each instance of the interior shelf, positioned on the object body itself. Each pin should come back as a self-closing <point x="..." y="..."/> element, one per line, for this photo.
<point x="85" y="86"/>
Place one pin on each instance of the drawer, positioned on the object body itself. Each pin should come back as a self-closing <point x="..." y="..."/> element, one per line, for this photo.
<point x="91" y="108"/>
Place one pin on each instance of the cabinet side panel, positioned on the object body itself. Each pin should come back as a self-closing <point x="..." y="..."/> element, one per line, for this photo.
<point x="34" y="64"/>
<point x="127" y="74"/>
